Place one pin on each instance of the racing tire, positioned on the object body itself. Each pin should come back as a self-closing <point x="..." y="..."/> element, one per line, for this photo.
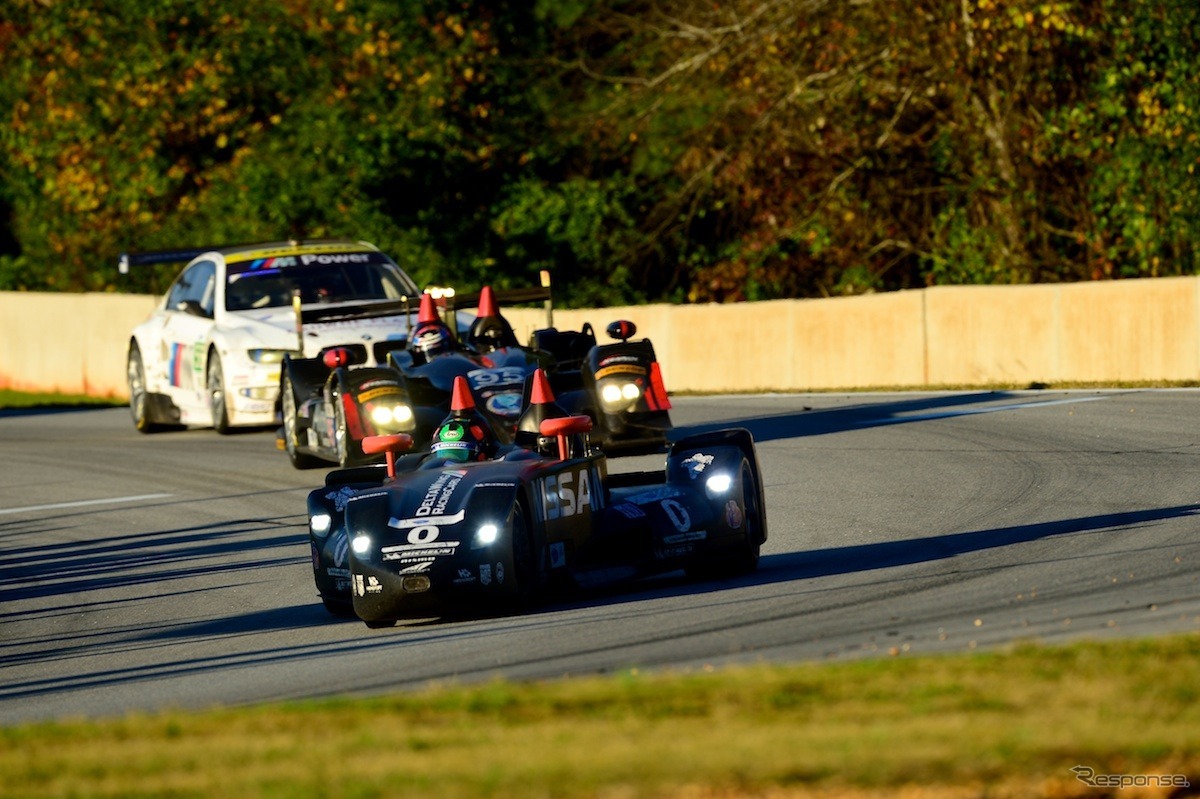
<point x="524" y="564"/>
<point x="380" y="624"/>
<point x="291" y="428"/>
<point x="741" y="558"/>
<point x="338" y="608"/>
<point x="217" y="401"/>
<point x="139" y="400"/>
<point x="348" y="452"/>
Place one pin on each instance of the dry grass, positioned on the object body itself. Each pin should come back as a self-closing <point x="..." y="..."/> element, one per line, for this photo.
<point x="995" y="725"/>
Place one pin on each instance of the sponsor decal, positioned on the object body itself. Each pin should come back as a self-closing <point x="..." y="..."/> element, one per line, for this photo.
<point x="378" y="384"/>
<point x="336" y="258"/>
<point x="620" y="369"/>
<point x="417" y="568"/>
<point x="733" y="514"/>
<point x="369" y="496"/>
<point x="558" y="555"/>
<point x="373" y="585"/>
<point x="566" y="494"/>
<point x="437" y="497"/>
<point x="338" y="573"/>
<point x="499" y="574"/>
<point x="367" y="396"/>
<point x="629" y="511"/>
<point x="341" y="586"/>
<point x="464" y="576"/>
<point x="697" y="463"/>
<point x="506" y="405"/>
<point x="404" y="554"/>
<point x="316" y="558"/>
<point x="495" y="485"/>
<point x="681" y="538"/>
<point x="485" y="574"/>
<point x="654" y="495"/>
<point x="678" y="514"/>
<point x="673" y="552"/>
<point x="341" y="547"/>
<point x="359" y="587"/>
<point x="340" y="497"/>
<point x="620" y="359"/>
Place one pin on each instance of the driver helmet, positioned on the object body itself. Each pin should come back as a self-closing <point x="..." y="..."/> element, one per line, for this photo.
<point x="431" y="339"/>
<point x="462" y="440"/>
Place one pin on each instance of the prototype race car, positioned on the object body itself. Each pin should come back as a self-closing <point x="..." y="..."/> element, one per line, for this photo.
<point x="430" y="532"/>
<point x="210" y="354"/>
<point x="332" y="403"/>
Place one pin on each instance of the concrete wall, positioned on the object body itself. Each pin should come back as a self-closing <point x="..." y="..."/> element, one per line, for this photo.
<point x="1125" y="330"/>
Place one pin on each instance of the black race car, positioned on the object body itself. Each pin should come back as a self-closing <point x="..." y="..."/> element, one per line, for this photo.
<point x="425" y="533"/>
<point x="332" y="402"/>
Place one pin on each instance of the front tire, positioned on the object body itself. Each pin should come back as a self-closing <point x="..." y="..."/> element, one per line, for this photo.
<point x="217" y="401"/>
<point x="139" y="401"/>
<point x="291" y="427"/>
<point x="742" y="557"/>
<point x="348" y="452"/>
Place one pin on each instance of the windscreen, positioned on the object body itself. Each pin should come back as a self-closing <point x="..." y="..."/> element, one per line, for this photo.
<point x="325" y="277"/>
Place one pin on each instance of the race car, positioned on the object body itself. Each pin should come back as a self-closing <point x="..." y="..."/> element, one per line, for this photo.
<point x="331" y="403"/>
<point x="483" y="529"/>
<point x="210" y="354"/>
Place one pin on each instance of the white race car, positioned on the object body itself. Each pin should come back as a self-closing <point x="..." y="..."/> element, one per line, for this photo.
<point x="210" y="355"/>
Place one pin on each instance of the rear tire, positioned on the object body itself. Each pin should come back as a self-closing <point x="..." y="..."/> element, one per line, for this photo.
<point x="217" y="401"/>
<point x="291" y="428"/>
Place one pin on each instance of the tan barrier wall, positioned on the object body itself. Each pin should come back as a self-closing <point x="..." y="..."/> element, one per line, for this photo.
<point x="948" y="335"/>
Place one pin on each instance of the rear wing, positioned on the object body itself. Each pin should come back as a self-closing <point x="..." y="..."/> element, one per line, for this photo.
<point x="453" y="301"/>
<point x="129" y="259"/>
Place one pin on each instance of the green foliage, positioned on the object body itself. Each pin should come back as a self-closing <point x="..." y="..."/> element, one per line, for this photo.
<point x="676" y="149"/>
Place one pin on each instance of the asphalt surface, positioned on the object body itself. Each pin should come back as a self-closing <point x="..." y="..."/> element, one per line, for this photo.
<point x="146" y="572"/>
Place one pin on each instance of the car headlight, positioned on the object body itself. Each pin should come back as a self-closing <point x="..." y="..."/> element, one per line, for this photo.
<point x="320" y="524"/>
<point x="487" y="534"/>
<point x="361" y="544"/>
<point x="718" y="484"/>
<point x="389" y="415"/>
<point x="619" y="396"/>
<point x="267" y="356"/>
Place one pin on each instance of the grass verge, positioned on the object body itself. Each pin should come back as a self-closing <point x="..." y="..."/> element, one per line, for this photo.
<point x="1004" y="724"/>
<point x="26" y="399"/>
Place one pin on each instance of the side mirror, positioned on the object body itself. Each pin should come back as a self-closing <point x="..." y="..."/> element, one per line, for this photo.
<point x="192" y="308"/>
<point x="338" y="356"/>
<point x="389" y="445"/>
<point x="563" y="426"/>
<point x="622" y="330"/>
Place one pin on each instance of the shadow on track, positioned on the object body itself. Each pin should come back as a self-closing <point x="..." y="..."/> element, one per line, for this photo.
<point x="823" y="421"/>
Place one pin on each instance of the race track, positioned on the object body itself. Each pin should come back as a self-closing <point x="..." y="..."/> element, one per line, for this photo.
<point x="147" y="572"/>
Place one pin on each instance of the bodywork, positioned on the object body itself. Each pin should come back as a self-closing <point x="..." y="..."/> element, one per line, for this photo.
<point x="503" y="532"/>
<point x="210" y="354"/>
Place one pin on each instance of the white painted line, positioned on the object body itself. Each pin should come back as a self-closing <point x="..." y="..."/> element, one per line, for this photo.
<point x="84" y="503"/>
<point x="921" y="417"/>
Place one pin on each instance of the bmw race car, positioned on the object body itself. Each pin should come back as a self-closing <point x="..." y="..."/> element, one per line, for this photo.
<point x="332" y="403"/>
<point x="210" y="354"/>
<point x="427" y="533"/>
